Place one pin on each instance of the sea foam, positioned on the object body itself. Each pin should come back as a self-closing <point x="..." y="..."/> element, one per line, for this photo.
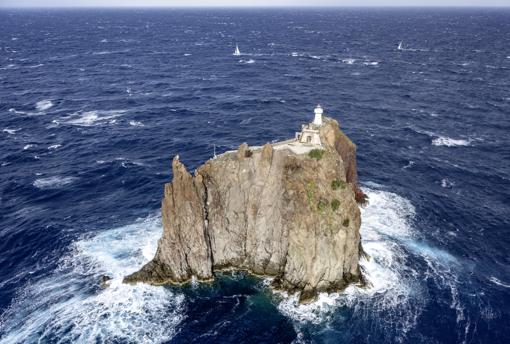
<point x="68" y="305"/>
<point x="54" y="182"/>
<point x="10" y="131"/>
<point x="385" y="222"/>
<point x="449" y="142"/>
<point x="44" y="105"/>
<point x="91" y="118"/>
<point x="394" y="293"/>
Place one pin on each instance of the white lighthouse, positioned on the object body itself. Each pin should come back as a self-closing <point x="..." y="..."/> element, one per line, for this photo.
<point x="318" y="116"/>
<point x="310" y="133"/>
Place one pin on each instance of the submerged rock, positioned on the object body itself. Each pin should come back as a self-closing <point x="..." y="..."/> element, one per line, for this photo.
<point x="104" y="281"/>
<point x="279" y="210"/>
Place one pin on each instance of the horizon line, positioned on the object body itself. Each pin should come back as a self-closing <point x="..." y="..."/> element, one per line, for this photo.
<point x="252" y="6"/>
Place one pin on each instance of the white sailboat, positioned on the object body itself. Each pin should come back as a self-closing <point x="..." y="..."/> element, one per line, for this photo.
<point x="400" y="46"/>
<point x="237" y="52"/>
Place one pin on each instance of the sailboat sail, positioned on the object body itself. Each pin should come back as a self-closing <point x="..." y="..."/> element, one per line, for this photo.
<point x="237" y="52"/>
<point x="400" y="46"/>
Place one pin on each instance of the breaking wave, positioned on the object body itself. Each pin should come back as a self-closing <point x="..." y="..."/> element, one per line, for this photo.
<point x="55" y="146"/>
<point x="498" y="282"/>
<point x="44" y="105"/>
<point x="394" y="293"/>
<point x="449" y="142"/>
<point x="54" y="182"/>
<point x="91" y="118"/>
<point x="136" y="123"/>
<point x="10" y="131"/>
<point x="68" y="306"/>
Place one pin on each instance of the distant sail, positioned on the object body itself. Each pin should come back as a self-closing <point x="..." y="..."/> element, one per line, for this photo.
<point x="237" y="52"/>
<point x="400" y="46"/>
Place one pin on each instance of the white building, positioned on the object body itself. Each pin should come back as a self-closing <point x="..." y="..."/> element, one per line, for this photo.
<point x="310" y="132"/>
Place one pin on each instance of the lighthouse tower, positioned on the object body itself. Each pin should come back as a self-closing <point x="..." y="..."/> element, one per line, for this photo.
<point x="318" y="116"/>
<point x="310" y="133"/>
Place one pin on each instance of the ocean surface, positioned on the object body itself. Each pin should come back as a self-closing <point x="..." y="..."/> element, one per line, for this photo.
<point x="95" y="103"/>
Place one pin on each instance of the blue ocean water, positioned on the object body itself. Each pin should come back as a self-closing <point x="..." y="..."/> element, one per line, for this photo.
<point x="95" y="103"/>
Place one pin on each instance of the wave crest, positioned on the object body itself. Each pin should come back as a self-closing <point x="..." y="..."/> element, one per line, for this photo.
<point x="44" y="105"/>
<point x="449" y="142"/>
<point x="53" y="182"/>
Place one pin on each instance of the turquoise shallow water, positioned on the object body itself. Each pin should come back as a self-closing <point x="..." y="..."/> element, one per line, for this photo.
<point x="94" y="104"/>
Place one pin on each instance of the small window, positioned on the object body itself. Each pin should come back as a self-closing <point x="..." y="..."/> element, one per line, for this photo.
<point x="308" y="139"/>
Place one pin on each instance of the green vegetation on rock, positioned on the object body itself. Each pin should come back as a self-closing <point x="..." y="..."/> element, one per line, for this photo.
<point x="316" y="154"/>
<point x="310" y="191"/>
<point x="322" y="204"/>
<point x="335" y="204"/>
<point x="337" y="184"/>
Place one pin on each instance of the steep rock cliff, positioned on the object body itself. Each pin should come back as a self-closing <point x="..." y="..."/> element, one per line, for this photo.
<point x="268" y="210"/>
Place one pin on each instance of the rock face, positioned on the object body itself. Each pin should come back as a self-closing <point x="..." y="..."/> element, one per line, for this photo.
<point x="268" y="210"/>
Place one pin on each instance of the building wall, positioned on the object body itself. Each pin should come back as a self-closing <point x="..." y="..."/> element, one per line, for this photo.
<point x="313" y="134"/>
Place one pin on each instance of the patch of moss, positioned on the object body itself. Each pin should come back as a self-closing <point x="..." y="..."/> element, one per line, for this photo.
<point x="346" y="222"/>
<point x="337" y="184"/>
<point x="335" y="204"/>
<point x="322" y="204"/>
<point x="316" y="154"/>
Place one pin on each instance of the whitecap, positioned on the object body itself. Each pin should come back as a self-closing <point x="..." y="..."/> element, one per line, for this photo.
<point x="55" y="146"/>
<point x="28" y="146"/>
<point x="446" y="183"/>
<point x="54" y="182"/>
<point x="136" y="123"/>
<point x="349" y="61"/>
<point x="409" y="165"/>
<point x="449" y="142"/>
<point x="10" y="131"/>
<point x="16" y="112"/>
<point x="44" y="105"/>
<point x="498" y="282"/>
<point x="91" y="118"/>
<point x="371" y="63"/>
<point x="67" y="306"/>
<point x="249" y="61"/>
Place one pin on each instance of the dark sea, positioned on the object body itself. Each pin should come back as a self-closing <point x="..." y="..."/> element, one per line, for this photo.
<point x="95" y="103"/>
